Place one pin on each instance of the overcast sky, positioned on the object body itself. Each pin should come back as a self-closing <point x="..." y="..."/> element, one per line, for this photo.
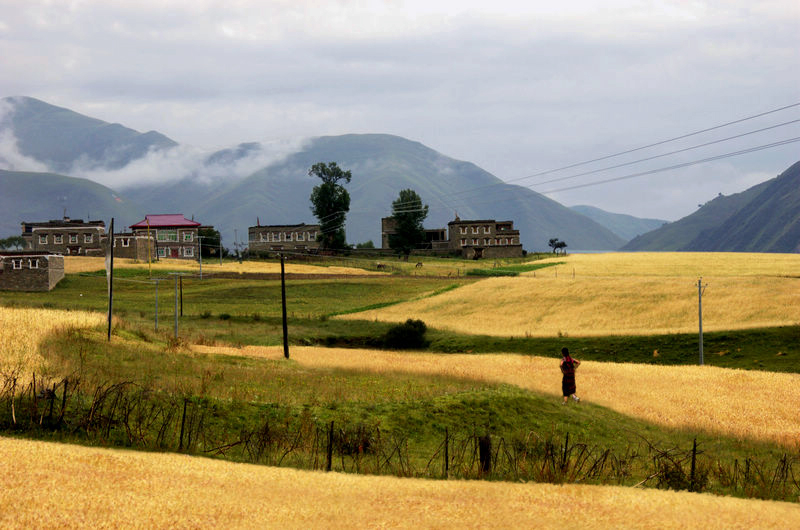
<point x="517" y="88"/>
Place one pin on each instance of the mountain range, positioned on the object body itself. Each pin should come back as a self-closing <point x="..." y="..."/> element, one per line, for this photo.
<point x="58" y="161"/>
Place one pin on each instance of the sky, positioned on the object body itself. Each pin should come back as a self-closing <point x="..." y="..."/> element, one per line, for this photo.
<point x="518" y="88"/>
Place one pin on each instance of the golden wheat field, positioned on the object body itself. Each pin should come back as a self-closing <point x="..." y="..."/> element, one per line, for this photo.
<point x="78" y="264"/>
<point x="617" y="294"/>
<point x="53" y="485"/>
<point x="21" y="330"/>
<point x="740" y="403"/>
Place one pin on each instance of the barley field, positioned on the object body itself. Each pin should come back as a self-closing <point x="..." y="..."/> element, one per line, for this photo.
<point x="21" y="330"/>
<point x="53" y="485"/>
<point x="677" y="264"/>
<point x="743" y="404"/>
<point x="618" y="294"/>
<point x="78" y="264"/>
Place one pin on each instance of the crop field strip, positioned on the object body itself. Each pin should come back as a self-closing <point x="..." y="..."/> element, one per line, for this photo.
<point x="618" y="294"/>
<point x="714" y="400"/>
<point x="82" y="486"/>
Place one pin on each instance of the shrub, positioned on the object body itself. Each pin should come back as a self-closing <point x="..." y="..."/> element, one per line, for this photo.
<point x="409" y="335"/>
<point x="224" y="316"/>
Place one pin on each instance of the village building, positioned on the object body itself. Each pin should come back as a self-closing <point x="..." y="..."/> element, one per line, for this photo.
<point x="435" y="238"/>
<point x="135" y="246"/>
<point x="30" y="270"/>
<point x="485" y="238"/>
<point x="274" y="238"/>
<point x="174" y="235"/>
<point x="65" y="236"/>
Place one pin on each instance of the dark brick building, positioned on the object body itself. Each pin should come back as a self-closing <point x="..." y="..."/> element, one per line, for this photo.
<point x="66" y="236"/>
<point x="300" y="237"/>
<point x="484" y="238"/>
<point x="30" y="270"/>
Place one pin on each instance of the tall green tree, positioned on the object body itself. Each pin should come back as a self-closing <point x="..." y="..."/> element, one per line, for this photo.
<point x="211" y="243"/>
<point x="408" y="213"/>
<point x="330" y="203"/>
<point x="13" y="242"/>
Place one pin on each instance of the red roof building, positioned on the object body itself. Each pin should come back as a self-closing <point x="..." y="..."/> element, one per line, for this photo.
<point x="175" y="235"/>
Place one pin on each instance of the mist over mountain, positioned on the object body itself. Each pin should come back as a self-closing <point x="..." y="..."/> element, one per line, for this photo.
<point x="55" y="159"/>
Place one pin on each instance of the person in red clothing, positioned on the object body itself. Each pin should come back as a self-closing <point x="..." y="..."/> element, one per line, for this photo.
<point x="568" y="367"/>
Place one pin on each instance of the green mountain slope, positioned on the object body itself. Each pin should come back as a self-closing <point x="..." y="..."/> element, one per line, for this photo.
<point x="625" y="226"/>
<point x="62" y="138"/>
<point x="382" y="165"/>
<point x="712" y="215"/>
<point x="770" y="222"/>
<point x="42" y="196"/>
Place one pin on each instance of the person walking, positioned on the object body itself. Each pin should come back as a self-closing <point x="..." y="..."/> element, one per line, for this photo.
<point x="568" y="367"/>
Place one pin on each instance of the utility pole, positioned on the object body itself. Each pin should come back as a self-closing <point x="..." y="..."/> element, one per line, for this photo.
<point x="200" y="243"/>
<point x="700" y="289"/>
<point x="176" y="306"/>
<point x="283" y="303"/>
<point x="110" y="275"/>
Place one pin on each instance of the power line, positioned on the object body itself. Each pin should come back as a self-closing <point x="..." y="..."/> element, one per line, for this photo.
<point x="678" y="166"/>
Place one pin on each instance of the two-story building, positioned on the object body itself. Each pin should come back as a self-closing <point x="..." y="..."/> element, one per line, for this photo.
<point x="130" y="245"/>
<point x="484" y="238"/>
<point x="275" y="238"/>
<point x="66" y="236"/>
<point x="174" y="235"/>
<point x="30" y="270"/>
<point x="435" y="238"/>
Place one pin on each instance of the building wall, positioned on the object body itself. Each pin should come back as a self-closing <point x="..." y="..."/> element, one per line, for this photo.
<point x="65" y="237"/>
<point x="484" y="238"/>
<point x="300" y="237"/>
<point x="433" y="236"/>
<point x="136" y="248"/>
<point x="42" y="275"/>
<point x="171" y="242"/>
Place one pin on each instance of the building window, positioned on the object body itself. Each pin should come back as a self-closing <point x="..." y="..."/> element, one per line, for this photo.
<point x="288" y="236"/>
<point x="126" y="242"/>
<point x="73" y="238"/>
<point x="167" y="235"/>
<point x="261" y="237"/>
<point x="188" y="252"/>
<point x="162" y="252"/>
<point x="17" y="263"/>
<point x="474" y="229"/>
<point x="463" y="229"/>
<point x="87" y="238"/>
<point x="276" y="236"/>
<point x="33" y="263"/>
<point x="487" y="241"/>
<point x="43" y="240"/>
<point x="463" y="242"/>
<point x="300" y="236"/>
<point x="486" y="229"/>
<point x="312" y="236"/>
<point x="187" y="236"/>
<point x="474" y="241"/>
<point x="58" y="239"/>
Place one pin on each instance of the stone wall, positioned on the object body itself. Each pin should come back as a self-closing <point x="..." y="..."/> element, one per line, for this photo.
<point x="30" y="272"/>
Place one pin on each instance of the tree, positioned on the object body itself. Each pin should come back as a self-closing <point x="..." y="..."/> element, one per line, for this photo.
<point x="13" y="242"/>
<point x="408" y="213"/>
<point x="210" y="243"/>
<point x="556" y="245"/>
<point x="366" y="245"/>
<point x="330" y="203"/>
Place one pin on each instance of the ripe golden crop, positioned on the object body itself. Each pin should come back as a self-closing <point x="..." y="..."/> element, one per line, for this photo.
<point x="53" y="485"/>
<point x="22" y="329"/>
<point x="739" y="403"/>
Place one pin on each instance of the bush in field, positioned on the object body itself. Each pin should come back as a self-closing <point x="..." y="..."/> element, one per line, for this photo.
<point x="406" y="336"/>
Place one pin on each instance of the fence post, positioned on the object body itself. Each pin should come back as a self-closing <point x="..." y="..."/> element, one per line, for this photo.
<point x="485" y="453"/>
<point x="183" y="423"/>
<point x="694" y="457"/>
<point x="63" y="401"/>
<point x="446" y="453"/>
<point x="329" y="461"/>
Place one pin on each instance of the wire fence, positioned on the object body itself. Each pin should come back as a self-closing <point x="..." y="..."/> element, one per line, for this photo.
<point x="131" y="415"/>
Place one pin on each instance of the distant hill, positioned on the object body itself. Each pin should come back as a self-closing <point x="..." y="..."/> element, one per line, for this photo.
<point x="764" y="218"/>
<point x="625" y="226"/>
<point x="29" y="197"/>
<point x="62" y="139"/>
<point x="381" y="165"/>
